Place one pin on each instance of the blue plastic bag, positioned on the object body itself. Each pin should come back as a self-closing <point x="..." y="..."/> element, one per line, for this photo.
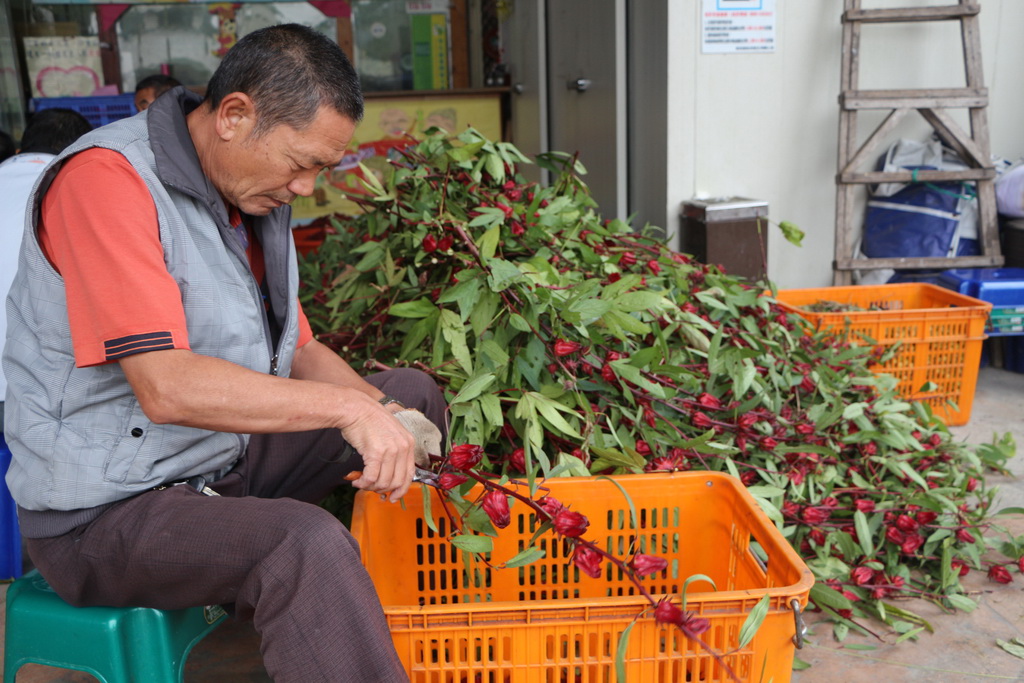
<point x="921" y="220"/>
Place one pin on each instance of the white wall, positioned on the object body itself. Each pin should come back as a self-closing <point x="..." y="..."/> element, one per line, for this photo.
<point x="765" y="126"/>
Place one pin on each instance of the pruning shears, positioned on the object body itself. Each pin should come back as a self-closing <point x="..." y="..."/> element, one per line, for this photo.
<point x="421" y="476"/>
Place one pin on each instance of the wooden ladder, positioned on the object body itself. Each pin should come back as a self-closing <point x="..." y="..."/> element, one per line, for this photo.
<point x="931" y="104"/>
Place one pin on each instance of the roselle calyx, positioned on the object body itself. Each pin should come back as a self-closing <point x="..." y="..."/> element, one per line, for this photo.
<point x="495" y="504"/>
<point x="465" y="456"/>
<point x="570" y="523"/>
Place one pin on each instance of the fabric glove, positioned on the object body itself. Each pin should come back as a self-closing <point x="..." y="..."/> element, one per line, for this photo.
<point x="426" y="433"/>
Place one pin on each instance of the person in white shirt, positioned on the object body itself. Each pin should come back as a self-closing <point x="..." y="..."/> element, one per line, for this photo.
<point x="48" y="133"/>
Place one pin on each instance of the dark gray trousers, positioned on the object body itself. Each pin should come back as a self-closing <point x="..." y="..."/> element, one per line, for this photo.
<point x="263" y="546"/>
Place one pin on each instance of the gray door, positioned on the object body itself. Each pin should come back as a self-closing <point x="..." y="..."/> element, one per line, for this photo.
<point x="586" y="67"/>
<point x="526" y="57"/>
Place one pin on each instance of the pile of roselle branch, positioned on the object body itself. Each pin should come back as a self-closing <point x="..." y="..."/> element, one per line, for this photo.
<point x="569" y="345"/>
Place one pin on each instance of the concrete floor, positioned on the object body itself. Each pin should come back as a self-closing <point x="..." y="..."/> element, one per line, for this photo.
<point x="962" y="648"/>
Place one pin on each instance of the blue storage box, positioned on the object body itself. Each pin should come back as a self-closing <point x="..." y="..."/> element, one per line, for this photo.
<point x="10" y="538"/>
<point x="1001" y="287"/>
<point x="99" y="110"/>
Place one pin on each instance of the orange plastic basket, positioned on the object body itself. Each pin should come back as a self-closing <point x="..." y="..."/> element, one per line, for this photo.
<point x="940" y="332"/>
<point x="455" y="619"/>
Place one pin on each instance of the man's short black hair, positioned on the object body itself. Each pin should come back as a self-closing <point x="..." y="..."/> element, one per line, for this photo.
<point x="290" y="72"/>
<point x="7" y="146"/>
<point x="51" y="130"/>
<point x="159" y="83"/>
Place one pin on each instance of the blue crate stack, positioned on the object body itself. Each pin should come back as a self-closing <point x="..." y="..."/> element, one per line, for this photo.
<point x="1004" y="289"/>
<point x="99" y="110"/>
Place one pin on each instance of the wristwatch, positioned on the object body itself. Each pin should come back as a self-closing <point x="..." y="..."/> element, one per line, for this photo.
<point x="388" y="400"/>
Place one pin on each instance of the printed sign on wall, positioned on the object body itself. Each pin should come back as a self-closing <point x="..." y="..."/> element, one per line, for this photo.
<point x="63" y="66"/>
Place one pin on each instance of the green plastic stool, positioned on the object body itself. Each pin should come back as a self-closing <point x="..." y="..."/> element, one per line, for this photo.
<point x="114" y="644"/>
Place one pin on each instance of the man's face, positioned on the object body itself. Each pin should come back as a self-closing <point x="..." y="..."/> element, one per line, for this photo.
<point x="144" y="98"/>
<point x="260" y="174"/>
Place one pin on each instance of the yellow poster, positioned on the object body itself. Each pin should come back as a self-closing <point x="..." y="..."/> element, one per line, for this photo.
<point x="388" y="126"/>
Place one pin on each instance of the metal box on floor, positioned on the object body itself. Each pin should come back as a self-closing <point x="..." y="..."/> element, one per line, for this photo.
<point x="731" y="232"/>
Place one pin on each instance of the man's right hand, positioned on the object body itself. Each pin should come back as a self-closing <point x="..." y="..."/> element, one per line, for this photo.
<point x="388" y="449"/>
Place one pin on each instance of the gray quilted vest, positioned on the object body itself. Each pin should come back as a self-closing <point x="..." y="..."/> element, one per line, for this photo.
<point x="78" y="437"/>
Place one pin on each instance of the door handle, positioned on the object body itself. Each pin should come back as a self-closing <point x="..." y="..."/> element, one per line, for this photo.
<point x="579" y="84"/>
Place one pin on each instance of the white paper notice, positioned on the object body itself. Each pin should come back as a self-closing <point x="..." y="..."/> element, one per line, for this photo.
<point x="734" y="26"/>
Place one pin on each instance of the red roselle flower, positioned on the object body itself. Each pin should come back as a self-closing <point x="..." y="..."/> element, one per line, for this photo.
<point x="642" y="447"/>
<point x="911" y="543"/>
<point x="907" y="523"/>
<point x="445" y="243"/>
<point x="564" y="347"/>
<point x="550" y="506"/>
<point x="700" y="420"/>
<point x="1020" y="563"/>
<point x="570" y="523"/>
<point x="429" y="243"/>
<point x="998" y="573"/>
<point x="495" y="504"/>
<point x="645" y="565"/>
<point x="816" y="515"/>
<point x="972" y="484"/>
<point x="628" y="258"/>
<point x="667" y="612"/>
<point x="959" y="566"/>
<point x="964" y="535"/>
<point x="587" y="560"/>
<point x="895" y="536"/>
<point x="518" y="460"/>
<point x="465" y="456"/>
<point x="926" y="516"/>
<point x="695" y="625"/>
<point x="608" y="373"/>
<point x="654" y="266"/>
<point x="709" y="401"/>
<point x="865" y="505"/>
<point x="450" y="480"/>
<point x="862" y="575"/>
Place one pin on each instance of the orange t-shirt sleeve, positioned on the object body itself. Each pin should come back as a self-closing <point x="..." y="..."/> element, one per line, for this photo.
<point x="305" y="331"/>
<point x="99" y="229"/>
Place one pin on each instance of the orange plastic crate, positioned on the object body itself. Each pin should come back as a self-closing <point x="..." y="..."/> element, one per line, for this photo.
<point x="456" y="620"/>
<point x="940" y="330"/>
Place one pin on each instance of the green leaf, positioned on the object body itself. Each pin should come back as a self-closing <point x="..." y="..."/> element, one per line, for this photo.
<point x="525" y="557"/>
<point x="961" y="602"/>
<point x="691" y="579"/>
<point x="822" y="595"/>
<point x="455" y="334"/>
<point x="641" y="300"/>
<point x="473" y="388"/>
<point x="792" y="233"/>
<point x="800" y="665"/>
<point x="465" y="152"/>
<point x="620" y="653"/>
<point x="427" y="512"/>
<point x="912" y="633"/>
<point x="1013" y="648"/>
<point x="860" y="523"/>
<point x="549" y="408"/>
<point x="488" y="243"/>
<point x="753" y="622"/>
<point x="518" y="322"/>
<point x="420" y="308"/>
<point x="502" y="274"/>
<point x="472" y="544"/>
<point x="629" y="500"/>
